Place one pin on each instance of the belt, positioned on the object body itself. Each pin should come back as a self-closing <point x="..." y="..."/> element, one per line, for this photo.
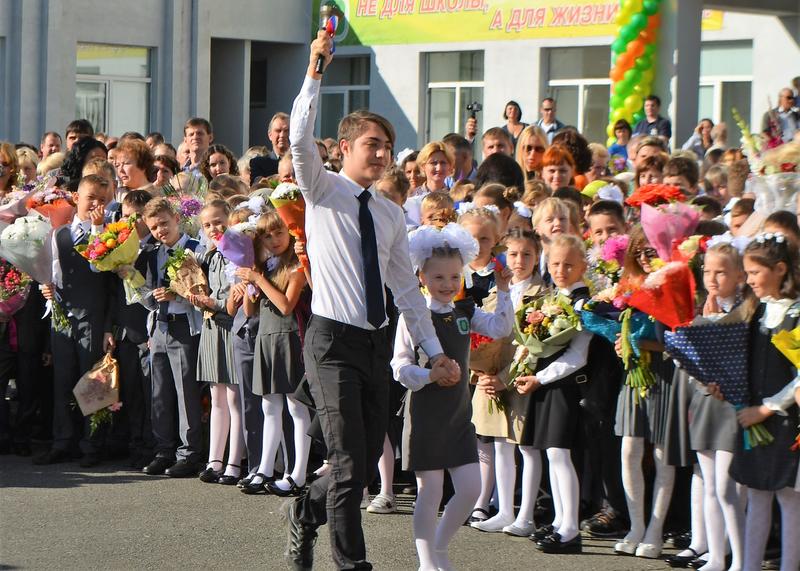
<point x="172" y="317"/>
<point x="339" y="328"/>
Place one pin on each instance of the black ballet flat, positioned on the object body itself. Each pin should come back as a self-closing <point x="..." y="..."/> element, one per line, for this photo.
<point x="542" y="533"/>
<point x="209" y="475"/>
<point x="251" y="489"/>
<point x="230" y="480"/>
<point x="294" y="490"/>
<point x="553" y="544"/>
<point x="682" y="561"/>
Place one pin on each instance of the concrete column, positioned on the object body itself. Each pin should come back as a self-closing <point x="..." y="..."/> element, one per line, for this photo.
<point x="230" y="93"/>
<point x="678" y="68"/>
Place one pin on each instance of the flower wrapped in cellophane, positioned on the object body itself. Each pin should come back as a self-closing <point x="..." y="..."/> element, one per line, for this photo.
<point x="290" y="206"/>
<point x="188" y="208"/>
<point x="14" y="288"/>
<point x="52" y="202"/>
<point x="606" y="261"/>
<point x="185" y="275"/>
<point x="238" y="248"/>
<point x="542" y="327"/>
<point x="115" y="248"/>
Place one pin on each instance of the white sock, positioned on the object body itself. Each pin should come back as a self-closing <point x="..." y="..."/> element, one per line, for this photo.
<point x="789" y="500"/>
<point x="236" y="438"/>
<point x="712" y="511"/>
<point x="467" y="487"/>
<point x="699" y="542"/>
<point x="757" y="524"/>
<point x="386" y="468"/>
<point x="272" y="405"/>
<point x="323" y="470"/>
<point x="426" y="510"/>
<point x="531" y="478"/>
<point x="729" y="496"/>
<point x="505" y="470"/>
<point x="567" y="496"/>
<point x="301" y="420"/>
<point x="662" y="494"/>
<point x="486" y="461"/>
<point x="219" y="422"/>
<point x="633" y="483"/>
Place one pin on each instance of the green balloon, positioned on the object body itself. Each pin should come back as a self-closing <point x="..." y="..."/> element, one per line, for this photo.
<point x="638" y="22"/>
<point x="643" y="63"/>
<point x="618" y="46"/>
<point x="628" y="33"/>
<point x="633" y="76"/>
<point x="649" y="50"/>
<point x="623" y="88"/>
<point x="650" y="7"/>
<point x="615" y="101"/>
<point x="638" y="116"/>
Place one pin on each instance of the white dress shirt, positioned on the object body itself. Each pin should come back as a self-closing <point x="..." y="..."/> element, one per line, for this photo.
<point x="334" y="236"/>
<point x="496" y="325"/>
<point x="577" y="354"/>
<point x="88" y="229"/>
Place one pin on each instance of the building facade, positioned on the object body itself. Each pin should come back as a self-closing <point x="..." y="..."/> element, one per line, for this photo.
<point x="151" y="64"/>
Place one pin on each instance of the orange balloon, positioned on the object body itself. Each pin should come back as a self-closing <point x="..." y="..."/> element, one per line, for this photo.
<point x="647" y="36"/>
<point x="616" y="74"/>
<point x="625" y="61"/>
<point x="635" y="48"/>
<point x="654" y="22"/>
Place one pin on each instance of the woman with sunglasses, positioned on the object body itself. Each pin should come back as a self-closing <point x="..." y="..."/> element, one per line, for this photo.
<point x="531" y="145"/>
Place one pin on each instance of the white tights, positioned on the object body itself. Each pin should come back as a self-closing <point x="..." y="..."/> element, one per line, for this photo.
<point x="505" y="470"/>
<point x="272" y="405"/>
<point x="633" y="482"/>
<point x="386" y="467"/>
<point x="486" y="463"/>
<point x="759" y="519"/>
<point x="226" y="419"/>
<point x="431" y="537"/>
<point x="723" y="510"/>
<point x="564" y="486"/>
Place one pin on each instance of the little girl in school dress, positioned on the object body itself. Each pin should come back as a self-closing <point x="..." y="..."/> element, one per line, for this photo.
<point x="771" y="470"/>
<point x="644" y="418"/>
<point x="278" y="367"/>
<point x="556" y="413"/>
<point x="438" y="434"/>
<point x="215" y="357"/>
<point x="506" y="425"/>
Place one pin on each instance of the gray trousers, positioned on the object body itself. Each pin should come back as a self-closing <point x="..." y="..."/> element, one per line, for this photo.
<point x="253" y="415"/>
<point x="176" y="408"/>
<point x="74" y="353"/>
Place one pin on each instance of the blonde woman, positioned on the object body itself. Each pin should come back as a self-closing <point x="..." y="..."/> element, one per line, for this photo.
<point x="8" y="167"/>
<point x="27" y="161"/>
<point x="531" y="145"/>
<point x="437" y="163"/>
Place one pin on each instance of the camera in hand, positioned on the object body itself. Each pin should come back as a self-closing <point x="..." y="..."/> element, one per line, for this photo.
<point x="474" y="108"/>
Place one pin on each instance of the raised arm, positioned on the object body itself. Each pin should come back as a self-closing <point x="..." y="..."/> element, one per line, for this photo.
<point x="308" y="168"/>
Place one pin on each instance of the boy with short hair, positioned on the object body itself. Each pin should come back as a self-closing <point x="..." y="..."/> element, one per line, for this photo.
<point x="78" y="129"/>
<point x="174" y="328"/>
<point x="715" y="184"/>
<point x="86" y="296"/>
<point x="684" y="173"/>
<point x="606" y="218"/>
<point x="740" y="212"/>
<point x="437" y="209"/>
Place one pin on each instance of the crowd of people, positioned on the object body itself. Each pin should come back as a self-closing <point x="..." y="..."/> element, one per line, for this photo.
<point x="363" y="341"/>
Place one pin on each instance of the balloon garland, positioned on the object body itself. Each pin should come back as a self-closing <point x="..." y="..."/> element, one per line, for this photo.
<point x="633" y="54"/>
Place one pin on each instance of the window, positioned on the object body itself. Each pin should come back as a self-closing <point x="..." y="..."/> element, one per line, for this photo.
<point x="346" y="90"/>
<point x="113" y="87"/>
<point x="454" y="80"/>
<point x="726" y="76"/>
<point x="578" y="81"/>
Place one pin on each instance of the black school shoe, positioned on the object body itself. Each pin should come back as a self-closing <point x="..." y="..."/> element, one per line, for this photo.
<point x="182" y="469"/>
<point x="542" y="533"/>
<point x="605" y="524"/>
<point x="300" y="538"/>
<point x="158" y="466"/>
<point x="553" y="544"/>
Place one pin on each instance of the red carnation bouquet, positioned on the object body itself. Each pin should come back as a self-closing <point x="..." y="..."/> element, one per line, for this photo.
<point x="14" y="288"/>
<point x="655" y="194"/>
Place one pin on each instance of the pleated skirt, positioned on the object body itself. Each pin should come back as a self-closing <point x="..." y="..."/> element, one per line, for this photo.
<point x="215" y="362"/>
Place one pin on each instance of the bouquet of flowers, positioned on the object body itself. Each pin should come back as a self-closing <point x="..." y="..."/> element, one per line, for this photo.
<point x="489" y="356"/>
<point x="53" y="202"/>
<point x="288" y="202"/>
<point x="606" y="261"/>
<point x="13" y="204"/>
<point x="666" y="224"/>
<point x="237" y="247"/>
<point x="185" y="274"/>
<point x="14" y="288"/>
<point x="116" y="247"/>
<point x="186" y="184"/>
<point x="188" y="208"/>
<point x="542" y="328"/>
<point x="655" y="194"/>
<point x="27" y="245"/>
<point x="667" y="295"/>
<point x="97" y="392"/>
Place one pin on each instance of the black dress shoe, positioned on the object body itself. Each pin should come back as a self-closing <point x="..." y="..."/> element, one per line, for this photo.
<point x="605" y="524"/>
<point x="696" y="563"/>
<point x="541" y="533"/>
<point x="553" y="544"/>
<point x="209" y="476"/>
<point x="294" y="489"/>
<point x="89" y="460"/>
<point x="300" y="539"/>
<point x="182" y="469"/>
<point x="53" y="456"/>
<point x="682" y="561"/>
<point x="158" y="466"/>
<point x="251" y="487"/>
<point x="227" y="480"/>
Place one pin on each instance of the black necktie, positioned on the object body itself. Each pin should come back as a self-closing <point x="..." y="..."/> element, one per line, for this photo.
<point x="163" y="306"/>
<point x="376" y="310"/>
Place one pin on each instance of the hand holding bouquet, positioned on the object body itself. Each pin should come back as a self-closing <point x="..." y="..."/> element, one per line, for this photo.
<point x="185" y="275"/>
<point x="116" y="250"/>
<point x="288" y="202"/>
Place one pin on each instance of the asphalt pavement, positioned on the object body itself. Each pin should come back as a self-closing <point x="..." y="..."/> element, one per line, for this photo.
<point x="64" y="517"/>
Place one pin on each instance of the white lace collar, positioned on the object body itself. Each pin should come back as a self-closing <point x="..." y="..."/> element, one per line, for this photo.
<point x="775" y="311"/>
